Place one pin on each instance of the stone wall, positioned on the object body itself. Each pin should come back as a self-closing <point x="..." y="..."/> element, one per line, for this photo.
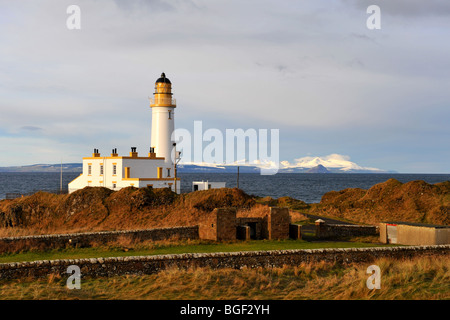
<point x="85" y="239"/>
<point x="220" y="224"/>
<point x="236" y="260"/>
<point x="256" y="222"/>
<point x="324" y="230"/>
<point x="278" y="223"/>
<point x="226" y="224"/>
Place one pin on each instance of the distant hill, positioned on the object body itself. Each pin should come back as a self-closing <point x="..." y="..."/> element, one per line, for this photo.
<point x="318" y="169"/>
<point x="67" y="167"/>
<point x="208" y="168"/>
<point x="192" y="168"/>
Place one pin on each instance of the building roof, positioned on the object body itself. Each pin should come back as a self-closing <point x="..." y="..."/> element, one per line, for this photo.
<point x="163" y="79"/>
<point x="425" y="225"/>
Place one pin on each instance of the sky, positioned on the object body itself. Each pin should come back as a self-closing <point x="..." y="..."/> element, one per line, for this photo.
<point x="311" y="69"/>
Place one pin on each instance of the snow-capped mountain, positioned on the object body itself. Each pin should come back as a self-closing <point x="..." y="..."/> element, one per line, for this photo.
<point x="333" y="163"/>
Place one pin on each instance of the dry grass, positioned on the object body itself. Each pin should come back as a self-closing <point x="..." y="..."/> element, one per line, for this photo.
<point x="100" y="209"/>
<point x="96" y="209"/>
<point x="419" y="278"/>
<point x="414" y="201"/>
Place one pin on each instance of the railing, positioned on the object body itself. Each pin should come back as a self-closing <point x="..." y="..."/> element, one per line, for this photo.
<point x="164" y="101"/>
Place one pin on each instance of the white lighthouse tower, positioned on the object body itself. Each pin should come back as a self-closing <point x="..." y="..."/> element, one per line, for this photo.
<point x="163" y="118"/>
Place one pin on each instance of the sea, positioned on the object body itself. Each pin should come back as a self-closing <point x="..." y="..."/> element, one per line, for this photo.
<point x="309" y="187"/>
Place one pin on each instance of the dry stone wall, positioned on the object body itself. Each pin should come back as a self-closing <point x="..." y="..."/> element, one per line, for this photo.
<point x="324" y="230"/>
<point x="236" y="260"/>
<point x="85" y="239"/>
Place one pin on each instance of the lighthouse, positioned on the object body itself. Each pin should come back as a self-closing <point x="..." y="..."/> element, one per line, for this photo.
<point x="155" y="169"/>
<point x="163" y="118"/>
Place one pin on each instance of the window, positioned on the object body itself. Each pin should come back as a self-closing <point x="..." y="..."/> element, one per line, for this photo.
<point x="114" y="169"/>
<point x="170" y="114"/>
<point x="168" y="172"/>
<point x="114" y="185"/>
<point x="89" y="169"/>
<point x="101" y="169"/>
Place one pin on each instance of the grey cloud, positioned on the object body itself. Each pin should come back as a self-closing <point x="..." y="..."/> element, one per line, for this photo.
<point x="406" y="8"/>
<point x="155" y="5"/>
<point x="31" y="128"/>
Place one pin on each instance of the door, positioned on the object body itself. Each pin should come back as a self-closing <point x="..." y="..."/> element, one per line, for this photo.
<point x="252" y="226"/>
<point x="392" y="233"/>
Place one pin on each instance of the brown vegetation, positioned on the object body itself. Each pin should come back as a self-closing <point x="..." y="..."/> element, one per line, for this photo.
<point x="416" y="278"/>
<point x="96" y="208"/>
<point x="415" y="201"/>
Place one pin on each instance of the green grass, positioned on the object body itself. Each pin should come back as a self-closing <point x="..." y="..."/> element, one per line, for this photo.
<point x="176" y="248"/>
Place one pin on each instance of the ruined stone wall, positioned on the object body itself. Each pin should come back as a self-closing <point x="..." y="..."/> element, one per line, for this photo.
<point x="226" y="224"/>
<point x="278" y="223"/>
<point x="236" y="260"/>
<point x="258" y="222"/>
<point x="220" y="224"/>
<point x="85" y="239"/>
<point x="324" y="230"/>
<point x="207" y="228"/>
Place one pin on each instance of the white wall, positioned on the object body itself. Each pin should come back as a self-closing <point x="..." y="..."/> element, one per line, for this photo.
<point x="140" y="168"/>
<point x="162" y="128"/>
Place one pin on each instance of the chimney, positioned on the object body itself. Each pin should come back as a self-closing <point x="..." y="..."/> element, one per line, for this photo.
<point x="133" y="152"/>
<point x="96" y="153"/>
<point x="152" y="153"/>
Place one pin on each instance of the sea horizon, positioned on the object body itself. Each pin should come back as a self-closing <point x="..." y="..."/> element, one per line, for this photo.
<point x="308" y="187"/>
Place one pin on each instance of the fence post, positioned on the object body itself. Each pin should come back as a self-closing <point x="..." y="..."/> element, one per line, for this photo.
<point x="320" y="228"/>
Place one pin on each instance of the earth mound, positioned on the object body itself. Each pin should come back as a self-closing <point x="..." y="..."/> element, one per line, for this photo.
<point x="97" y="208"/>
<point x="414" y="201"/>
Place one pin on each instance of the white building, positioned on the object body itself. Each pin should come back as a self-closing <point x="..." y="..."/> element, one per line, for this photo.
<point x="157" y="169"/>
<point x="206" y="185"/>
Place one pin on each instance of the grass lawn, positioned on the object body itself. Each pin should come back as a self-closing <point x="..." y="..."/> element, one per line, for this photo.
<point x="165" y="247"/>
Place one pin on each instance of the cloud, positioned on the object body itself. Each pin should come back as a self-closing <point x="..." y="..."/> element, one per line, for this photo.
<point x="406" y="8"/>
<point x="31" y="128"/>
<point x="309" y="68"/>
